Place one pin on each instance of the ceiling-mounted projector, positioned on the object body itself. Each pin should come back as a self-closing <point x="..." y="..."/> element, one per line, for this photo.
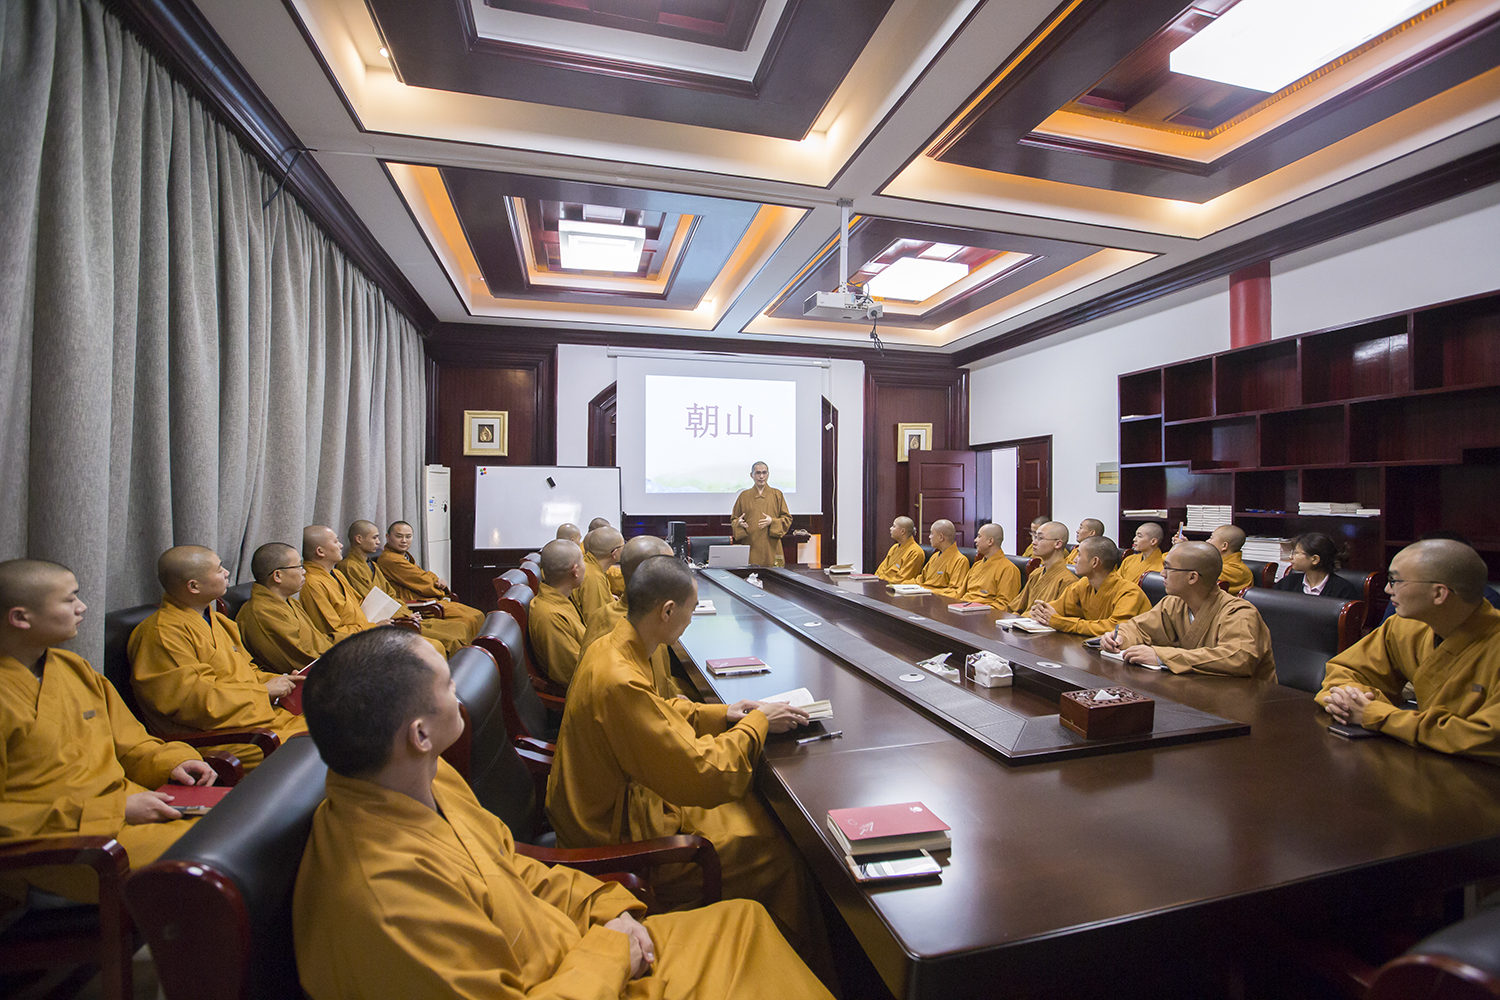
<point x="842" y="305"/>
<point x="843" y="302"/>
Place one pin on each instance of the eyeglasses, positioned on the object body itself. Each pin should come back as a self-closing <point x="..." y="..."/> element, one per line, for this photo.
<point x="1394" y="582"/>
<point x="1175" y="569"/>
<point x="298" y="566"/>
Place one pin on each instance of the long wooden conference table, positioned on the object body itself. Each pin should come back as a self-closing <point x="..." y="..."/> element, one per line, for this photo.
<point x="1082" y="863"/>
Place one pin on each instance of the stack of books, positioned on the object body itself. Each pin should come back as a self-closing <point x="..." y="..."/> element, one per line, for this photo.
<point x="1208" y="516"/>
<point x="1367" y="512"/>
<point x="1145" y="513"/>
<point x="905" y="826"/>
<point x="1309" y="507"/>
<point x="1263" y="548"/>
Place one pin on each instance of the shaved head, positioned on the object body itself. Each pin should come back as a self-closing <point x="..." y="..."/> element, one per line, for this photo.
<point x="559" y="556"/>
<point x="599" y="522"/>
<point x="1453" y="564"/>
<point x="25" y="582"/>
<point x="269" y="558"/>
<point x="182" y="564"/>
<point x="316" y="536"/>
<point x="1055" y="530"/>
<point x="600" y="542"/>
<point x="1038" y="521"/>
<point x="992" y="531"/>
<point x="638" y="550"/>
<point x="907" y="525"/>
<point x="361" y="528"/>
<point x="1152" y="530"/>
<point x="1092" y="525"/>
<point x="1227" y="538"/>
<point x="943" y="527"/>
<point x="656" y="581"/>
<point x="1101" y="548"/>
<point x="568" y="531"/>
<point x="1199" y="556"/>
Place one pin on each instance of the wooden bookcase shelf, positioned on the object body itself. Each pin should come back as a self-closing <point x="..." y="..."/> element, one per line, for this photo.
<point x="1399" y="413"/>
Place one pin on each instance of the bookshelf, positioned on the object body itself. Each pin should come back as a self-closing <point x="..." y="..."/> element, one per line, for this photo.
<point x="1400" y="413"/>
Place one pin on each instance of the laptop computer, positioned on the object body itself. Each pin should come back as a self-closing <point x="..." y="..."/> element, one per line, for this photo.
<point x="728" y="556"/>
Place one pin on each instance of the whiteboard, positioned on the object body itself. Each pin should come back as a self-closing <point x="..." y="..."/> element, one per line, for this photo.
<point x="516" y="507"/>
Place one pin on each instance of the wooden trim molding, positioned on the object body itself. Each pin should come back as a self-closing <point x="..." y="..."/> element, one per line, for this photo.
<point x="602" y="410"/>
<point x="178" y="34"/>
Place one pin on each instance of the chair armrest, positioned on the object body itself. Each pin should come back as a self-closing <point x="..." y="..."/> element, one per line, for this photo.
<point x="265" y="739"/>
<point x="1351" y="624"/>
<point x="536" y="746"/>
<point x="431" y="609"/>
<point x="103" y="854"/>
<point x="228" y="769"/>
<point x="551" y="701"/>
<point x="639" y="855"/>
<point x="410" y="624"/>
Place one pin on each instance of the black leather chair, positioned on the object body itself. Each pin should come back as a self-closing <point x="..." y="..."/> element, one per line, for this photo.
<point x="1155" y="587"/>
<point x="698" y="546"/>
<point x="532" y="571"/>
<point x="1023" y="564"/>
<point x="970" y="553"/>
<point x="513" y="578"/>
<point x="1372" y="586"/>
<point x="1306" y="632"/>
<point x="525" y="708"/>
<point x="235" y="597"/>
<point x="507" y="782"/>
<point x="1263" y="573"/>
<point x="1461" y="962"/>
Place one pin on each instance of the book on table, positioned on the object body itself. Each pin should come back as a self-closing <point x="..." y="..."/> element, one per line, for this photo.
<point x="904" y="826"/>
<point x="802" y="698"/>
<point x="737" y="666"/>
<point x="909" y="589"/>
<point x="969" y="607"/>
<point x="1024" y="624"/>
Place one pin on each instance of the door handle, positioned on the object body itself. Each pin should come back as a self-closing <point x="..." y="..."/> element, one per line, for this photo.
<point x="920" y="515"/>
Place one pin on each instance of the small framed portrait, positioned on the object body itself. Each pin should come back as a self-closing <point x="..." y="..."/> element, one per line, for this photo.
<point x="486" y="432"/>
<point x="909" y="436"/>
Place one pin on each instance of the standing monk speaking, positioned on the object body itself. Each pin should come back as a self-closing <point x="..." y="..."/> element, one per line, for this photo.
<point x="760" y="517"/>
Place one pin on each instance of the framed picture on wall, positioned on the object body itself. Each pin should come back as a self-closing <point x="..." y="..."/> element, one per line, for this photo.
<point x="909" y="436"/>
<point x="486" y="432"/>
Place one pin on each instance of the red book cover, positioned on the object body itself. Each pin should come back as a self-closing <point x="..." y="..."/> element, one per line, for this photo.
<point x="195" y="797"/>
<point x="293" y="702"/>
<point x="901" y="820"/>
<point x="736" y="661"/>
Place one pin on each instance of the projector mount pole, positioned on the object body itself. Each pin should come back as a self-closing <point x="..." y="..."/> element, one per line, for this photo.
<point x="844" y="205"/>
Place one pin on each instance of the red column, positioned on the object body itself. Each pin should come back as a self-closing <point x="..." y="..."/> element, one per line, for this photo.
<point x="1250" y="305"/>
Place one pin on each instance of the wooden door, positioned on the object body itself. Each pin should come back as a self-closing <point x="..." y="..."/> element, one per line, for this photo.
<point x="1033" y="486"/>
<point x="942" y="485"/>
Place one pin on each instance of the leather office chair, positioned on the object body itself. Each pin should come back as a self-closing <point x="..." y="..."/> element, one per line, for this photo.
<point x="234" y="598"/>
<point x="524" y="706"/>
<point x="1460" y="962"/>
<point x="970" y="553"/>
<point x="927" y="551"/>
<point x="533" y="573"/>
<point x="512" y="578"/>
<point x="1372" y="586"/>
<point x="1263" y="573"/>
<point x="117" y="628"/>
<point x="535" y="557"/>
<point x="1155" y="587"/>
<point x="698" y="546"/>
<point x="517" y="604"/>
<point x="1306" y="632"/>
<point x="1024" y="565"/>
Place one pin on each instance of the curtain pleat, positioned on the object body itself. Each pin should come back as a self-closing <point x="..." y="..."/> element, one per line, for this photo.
<point x="179" y="362"/>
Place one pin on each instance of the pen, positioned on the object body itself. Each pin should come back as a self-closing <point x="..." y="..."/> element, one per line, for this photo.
<point x="821" y="736"/>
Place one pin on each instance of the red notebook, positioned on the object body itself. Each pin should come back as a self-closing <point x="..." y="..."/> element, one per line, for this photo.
<point x="194" y="800"/>
<point x="905" y="826"/>
<point x="735" y="666"/>
<point x="293" y="702"/>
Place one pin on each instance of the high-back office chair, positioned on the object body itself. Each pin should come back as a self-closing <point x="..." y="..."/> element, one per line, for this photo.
<point x="533" y="573"/>
<point x="1024" y="565"/>
<point x="117" y="628"/>
<point x="1460" y="962"/>
<point x="1372" y="586"/>
<point x="1264" y="573"/>
<point x="512" y="578"/>
<point x="517" y="604"/>
<point x="524" y="706"/>
<point x="235" y="598"/>
<point x="1154" y="585"/>
<point x="1306" y="632"/>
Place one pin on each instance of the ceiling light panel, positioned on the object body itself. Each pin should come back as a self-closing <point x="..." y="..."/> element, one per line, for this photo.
<point x="914" y="279"/>
<point x="596" y="246"/>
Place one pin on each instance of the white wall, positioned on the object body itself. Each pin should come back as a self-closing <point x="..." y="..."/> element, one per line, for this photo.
<point x="1003" y="497"/>
<point x="1069" y="388"/>
<point x="584" y="370"/>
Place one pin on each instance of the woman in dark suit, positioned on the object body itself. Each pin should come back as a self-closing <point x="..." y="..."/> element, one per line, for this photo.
<point x="1313" y="563"/>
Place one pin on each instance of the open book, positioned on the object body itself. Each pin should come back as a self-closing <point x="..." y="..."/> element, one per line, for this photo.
<point x="378" y="605"/>
<point x="1024" y="624"/>
<point x="909" y="589"/>
<point x="802" y="698"/>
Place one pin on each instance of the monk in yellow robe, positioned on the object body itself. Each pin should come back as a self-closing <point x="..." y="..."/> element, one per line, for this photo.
<point x="1229" y="540"/>
<point x="760" y="518"/>
<point x="358" y="572"/>
<point x="993" y="579"/>
<point x="570" y="532"/>
<point x="1444" y="640"/>
<point x="1036" y="525"/>
<point x="411" y="582"/>
<point x="1089" y="527"/>
<point x="903" y="562"/>
<point x="1197" y="627"/>
<point x="409" y="888"/>
<point x="1100" y="600"/>
<point x="946" y="571"/>
<point x="631" y="765"/>
<point x="73" y="760"/>
<point x="601" y="550"/>
<point x="555" y="626"/>
<point x="616" y="580"/>
<point x="603" y="621"/>
<point x="1048" y="581"/>
<point x="1146" y="553"/>
<point x="278" y="632"/>
<point x="191" y="671"/>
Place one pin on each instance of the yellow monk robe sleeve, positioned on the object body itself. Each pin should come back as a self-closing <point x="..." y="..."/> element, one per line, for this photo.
<point x="1470" y="727"/>
<point x="277" y="637"/>
<point x="656" y="746"/>
<point x="887" y="570"/>
<point x="741" y="535"/>
<point x="170" y="676"/>
<point x="328" y="608"/>
<point x="146" y="760"/>
<point x="586" y="900"/>
<point x="1146" y="629"/>
<point x="1372" y="663"/>
<point x="781" y="517"/>
<point x="706" y="720"/>
<point x="1068" y="613"/>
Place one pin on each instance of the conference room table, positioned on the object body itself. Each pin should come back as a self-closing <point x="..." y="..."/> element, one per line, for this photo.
<point x="1067" y="874"/>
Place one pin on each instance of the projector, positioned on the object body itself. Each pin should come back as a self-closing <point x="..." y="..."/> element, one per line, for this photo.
<point x="842" y="305"/>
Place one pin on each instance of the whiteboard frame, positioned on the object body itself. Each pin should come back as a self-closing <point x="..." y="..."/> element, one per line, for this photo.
<point x="543" y="469"/>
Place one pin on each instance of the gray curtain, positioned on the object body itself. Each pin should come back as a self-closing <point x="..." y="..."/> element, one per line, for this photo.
<point x="178" y="364"/>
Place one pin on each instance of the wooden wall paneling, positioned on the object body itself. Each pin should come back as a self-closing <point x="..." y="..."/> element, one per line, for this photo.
<point x="523" y="382"/>
<point x="897" y="392"/>
<point x="602" y="409"/>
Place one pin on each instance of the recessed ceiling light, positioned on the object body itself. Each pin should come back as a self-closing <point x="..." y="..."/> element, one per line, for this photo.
<point x="597" y="246"/>
<point x="385" y="53"/>
<point x="1266" y="44"/>
<point x="940" y="251"/>
<point x="912" y="279"/>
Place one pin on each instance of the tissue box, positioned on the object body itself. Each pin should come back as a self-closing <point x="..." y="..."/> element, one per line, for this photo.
<point x="992" y="672"/>
<point x="1094" y="720"/>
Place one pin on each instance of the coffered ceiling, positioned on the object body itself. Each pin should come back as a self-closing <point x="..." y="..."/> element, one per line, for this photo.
<point x="674" y="166"/>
